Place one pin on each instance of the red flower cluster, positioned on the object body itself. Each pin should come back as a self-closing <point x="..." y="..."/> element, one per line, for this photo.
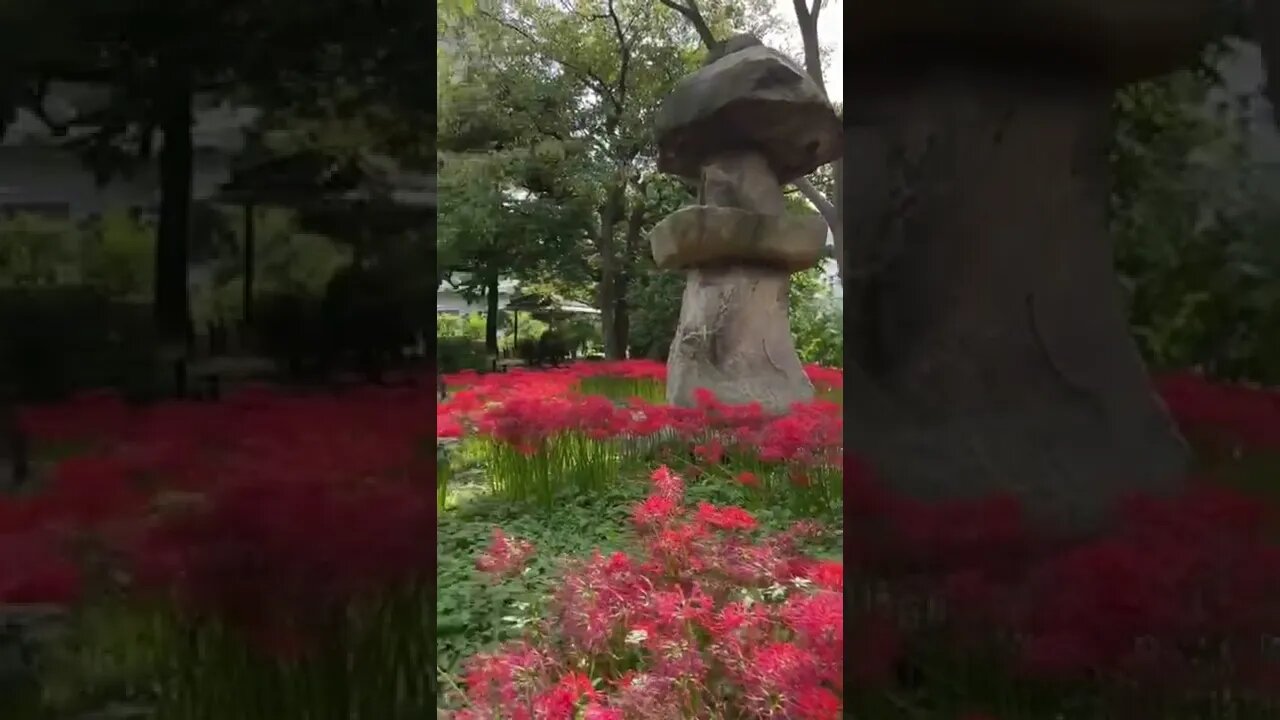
<point x="1179" y="594"/>
<point x="529" y="411"/>
<point x="272" y="512"/>
<point x="266" y="511"/>
<point x="709" y="622"/>
<point x="505" y="556"/>
<point x="1228" y="416"/>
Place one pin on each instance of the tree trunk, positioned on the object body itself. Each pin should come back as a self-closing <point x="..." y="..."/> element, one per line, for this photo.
<point x="634" y="246"/>
<point x="172" y="305"/>
<point x="14" y="458"/>
<point x="1266" y="24"/>
<point x="250" y="255"/>
<point x="621" y="317"/>
<point x="491" y="314"/>
<point x="606" y="240"/>
<point x="991" y="349"/>
<point x="837" y="227"/>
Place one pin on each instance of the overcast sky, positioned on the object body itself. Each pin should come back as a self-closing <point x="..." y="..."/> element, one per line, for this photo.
<point x="830" y="35"/>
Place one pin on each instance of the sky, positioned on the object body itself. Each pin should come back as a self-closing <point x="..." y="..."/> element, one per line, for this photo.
<point x="830" y="36"/>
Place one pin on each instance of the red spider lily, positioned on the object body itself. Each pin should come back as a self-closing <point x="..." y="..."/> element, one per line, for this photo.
<point x="36" y="570"/>
<point x="1224" y="415"/>
<point x="727" y="518"/>
<point x="670" y="632"/>
<point x="265" y="556"/>
<point x="269" y="510"/>
<point x="505" y="555"/>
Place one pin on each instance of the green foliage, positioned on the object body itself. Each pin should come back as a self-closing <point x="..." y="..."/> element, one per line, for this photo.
<point x="288" y="262"/>
<point x="817" y="319"/>
<point x="509" y="206"/>
<point x="113" y="253"/>
<point x="120" y="258"/>
<point x="460" y="339"/>
<point x="460" y="353"/>
<point x="460" y="343"/>
<point x="1193" y="248"/>
<point x="654" y="296"/>
<point x="470" y="327"/>
<point x="546" y="117"/>
<point x="37" y="251"/>
<point x="473" y="614"/>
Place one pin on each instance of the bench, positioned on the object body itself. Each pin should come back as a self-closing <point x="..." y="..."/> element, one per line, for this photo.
<point x="211" y="372"/>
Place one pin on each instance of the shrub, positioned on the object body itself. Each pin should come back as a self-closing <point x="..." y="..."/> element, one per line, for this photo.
<point x="288" y="328"/>
<point x="454" y="354"/>
<point x="59" y="340"/>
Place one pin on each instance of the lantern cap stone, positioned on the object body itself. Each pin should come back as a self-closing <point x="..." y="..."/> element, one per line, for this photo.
<point x="749" y="98"/>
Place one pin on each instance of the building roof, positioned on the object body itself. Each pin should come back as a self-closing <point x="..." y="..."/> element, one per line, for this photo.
<point x="219" y="125"/>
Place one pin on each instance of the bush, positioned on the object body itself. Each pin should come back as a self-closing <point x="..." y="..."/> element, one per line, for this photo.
<point x="551" y="348"/>
<point x="654" y="299"/>
<point x="60" y="340"/>
<point x="459" y="353"/>
<point x="288" y="328"/>
<point x="368" y="317"/>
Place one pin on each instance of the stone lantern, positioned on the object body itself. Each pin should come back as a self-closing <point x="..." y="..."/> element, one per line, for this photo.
<point x="984" y="316"/>
<point x="741" y="127"/>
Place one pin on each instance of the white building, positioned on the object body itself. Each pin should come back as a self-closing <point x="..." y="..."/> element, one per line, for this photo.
<point x="451" y="302"/>
<point x="37" y="175"/>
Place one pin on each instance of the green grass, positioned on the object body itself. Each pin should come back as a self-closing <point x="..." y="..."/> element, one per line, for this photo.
<point x="622" y="389"/>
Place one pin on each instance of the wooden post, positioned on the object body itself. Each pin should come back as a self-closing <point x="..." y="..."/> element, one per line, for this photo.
<point x="249" y="253"/>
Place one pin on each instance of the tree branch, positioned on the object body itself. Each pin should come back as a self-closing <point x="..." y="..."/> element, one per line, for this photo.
<point x="693" y="14"/>
<point x="624" y="56"/>
<point x="598" y="84"/>
<point x="825" y="207"/>
<point x="807" y="19"/>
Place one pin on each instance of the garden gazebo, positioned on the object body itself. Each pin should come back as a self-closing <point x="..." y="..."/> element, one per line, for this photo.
<point x="349" y="198"/>
<point x="546" y="305"/>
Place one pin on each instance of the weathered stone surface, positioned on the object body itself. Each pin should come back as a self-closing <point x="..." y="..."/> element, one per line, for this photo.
<point x="752" y="99"/>
<point x="1124" y="40"/>
<point x="741" y="180"/>
<point x="983" y="310"/>
<point x="734" y="339"/>
<point x="734" y="44"/>
<point x="703" y="236"/>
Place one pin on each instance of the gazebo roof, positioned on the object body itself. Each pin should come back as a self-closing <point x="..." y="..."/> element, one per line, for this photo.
<point x="549" y="304"/>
